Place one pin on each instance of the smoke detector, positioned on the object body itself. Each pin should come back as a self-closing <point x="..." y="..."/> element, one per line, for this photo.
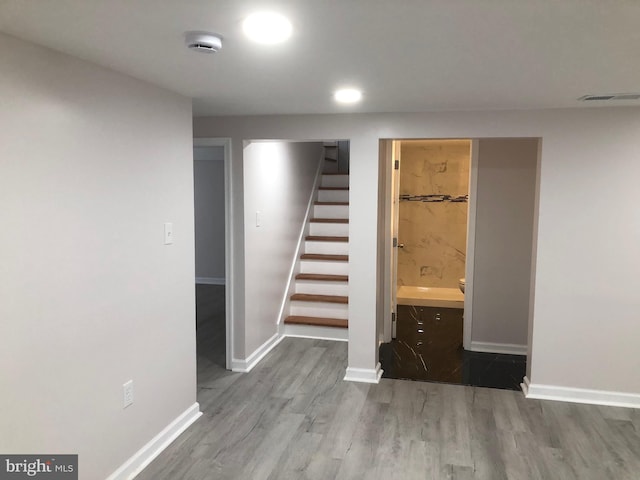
<point x="203" y="41"/>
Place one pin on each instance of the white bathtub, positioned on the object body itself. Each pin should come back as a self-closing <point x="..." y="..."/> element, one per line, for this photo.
<point x="430" y="297"/>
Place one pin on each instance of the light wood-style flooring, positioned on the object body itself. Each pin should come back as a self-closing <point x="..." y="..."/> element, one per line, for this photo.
<point x="293" y="417"/>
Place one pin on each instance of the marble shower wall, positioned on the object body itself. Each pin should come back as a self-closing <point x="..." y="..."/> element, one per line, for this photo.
<point x="434" y="233"/>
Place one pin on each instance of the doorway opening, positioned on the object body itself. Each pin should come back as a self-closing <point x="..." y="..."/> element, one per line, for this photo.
<point x="457" y="301"/>
<point x="213" y="289"/>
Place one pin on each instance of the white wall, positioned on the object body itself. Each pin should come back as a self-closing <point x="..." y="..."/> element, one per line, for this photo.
<point x="92" y="164"/>
<point x="208" y="173"/>
<point x="278" y="181"/>
<point x="585" y="304"/>
<point x="505" y="202"/>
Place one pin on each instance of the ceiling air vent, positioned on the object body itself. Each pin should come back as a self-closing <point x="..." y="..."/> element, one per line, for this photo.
<point x="612" y="96"/>
<point x="627" y="96"/>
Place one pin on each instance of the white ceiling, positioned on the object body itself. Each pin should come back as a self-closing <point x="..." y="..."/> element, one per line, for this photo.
<point x="406" y="55"/>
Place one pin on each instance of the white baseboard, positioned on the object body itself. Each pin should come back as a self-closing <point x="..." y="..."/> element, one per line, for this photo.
<point x="580" y="395"/>
<point x="143" y="457"/>
<point x="319" y="333"/>
<point x="364" y="375"/>
<point x="246" y="365"/>
<point x="525" y="385"/>
<point x="210" y="280"/>
<point x="506" y="348"/>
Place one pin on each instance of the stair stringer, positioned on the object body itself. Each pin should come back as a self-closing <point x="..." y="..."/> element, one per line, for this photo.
<point x="285" y="305"/>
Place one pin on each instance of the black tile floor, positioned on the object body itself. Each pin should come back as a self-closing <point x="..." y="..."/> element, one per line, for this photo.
<point x="428" y="347"/>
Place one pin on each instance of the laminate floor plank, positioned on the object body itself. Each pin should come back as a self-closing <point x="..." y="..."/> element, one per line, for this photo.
<point x="293" y="417"/>
<point x="319" y="388"/>
<point x="454" y="431"/>
<point x="290" y="384"/>
<point x="485" y="454"/>
<point x="243" y="439"/>
<point x="535" y="421"/>
<point x="577" y="449"/>
<point x="266" y="456"/>
<point x="408" y="407"/>
<point x="604" y="433"/>
<point x="367" y="438"/>
<point x="295" y="460"/>
<point x="345" y="420"/>
<point x="507" y="414"/>
<point x="382" y="392"/>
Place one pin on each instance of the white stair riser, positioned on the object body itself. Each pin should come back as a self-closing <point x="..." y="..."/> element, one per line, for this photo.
<point x="329" y="229"/>
<point x="320" y="309"/>
<point x="328" y="248"/>
<point x="331" y="211"/>
<point x="322" y="288"/>
<point x="333" y="195"/>
<point x="312" y="331"/>
<point x="335" y="181"/>
<point x="324" y="267"/>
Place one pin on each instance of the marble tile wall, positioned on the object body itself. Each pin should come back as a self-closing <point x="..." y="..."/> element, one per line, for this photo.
<point x="434" y="234"/>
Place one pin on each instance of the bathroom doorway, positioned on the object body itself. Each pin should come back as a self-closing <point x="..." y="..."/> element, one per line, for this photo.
<point x="430" y="203"/>
<point x="435" y="228"/>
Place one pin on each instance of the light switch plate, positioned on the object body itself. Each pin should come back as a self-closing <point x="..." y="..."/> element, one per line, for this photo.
<point x="127" y="394"/>
<point x="168" y="233"/>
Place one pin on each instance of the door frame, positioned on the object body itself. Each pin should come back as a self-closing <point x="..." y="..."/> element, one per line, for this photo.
<point x="229" y="250"/>
<point x="396" y="161"/>
<point x="471" y="245"/>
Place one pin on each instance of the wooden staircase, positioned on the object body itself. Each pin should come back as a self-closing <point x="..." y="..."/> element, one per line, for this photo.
<point x="319" y="306"/>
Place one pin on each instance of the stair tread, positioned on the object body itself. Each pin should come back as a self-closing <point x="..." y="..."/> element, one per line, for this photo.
<point x="317" y="321"/>
<point x="335" y="173"/>
<point x="331" y="159"/>
<point x="329" y="220"/>
<point x="322" y="277"/>
<point x="333" y="203"/>
<point x="325" y="238"/>
<point x="309" y="297"/>
<point x="333" y="188"/>
<point x="324" y="256"/>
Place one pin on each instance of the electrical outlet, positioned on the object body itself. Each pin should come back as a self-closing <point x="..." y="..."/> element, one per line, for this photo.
<point x="127" y="391"/>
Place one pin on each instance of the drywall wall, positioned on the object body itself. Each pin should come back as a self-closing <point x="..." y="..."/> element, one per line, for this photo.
<point x="208" y="176"/>
<point x="505" y="202"/>
<point x="278" y="181"/>
<point x="93" y="164"/>
<point x="585" y="228"/>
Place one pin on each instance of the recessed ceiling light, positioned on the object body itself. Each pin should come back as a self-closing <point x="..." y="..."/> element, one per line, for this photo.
<point x="347" y="95"/>
<point x="267" y="27"/>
